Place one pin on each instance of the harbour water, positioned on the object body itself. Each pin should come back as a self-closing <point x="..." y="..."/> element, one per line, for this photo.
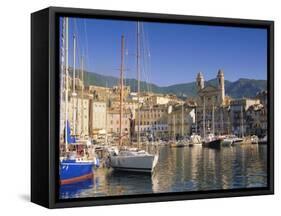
<point x="182" y="169"/>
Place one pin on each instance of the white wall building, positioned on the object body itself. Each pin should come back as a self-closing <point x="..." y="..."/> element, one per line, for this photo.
<point x="98" y="115"/>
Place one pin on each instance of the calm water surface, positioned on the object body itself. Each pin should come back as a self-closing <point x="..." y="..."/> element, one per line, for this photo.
<point x="182" y="169"/>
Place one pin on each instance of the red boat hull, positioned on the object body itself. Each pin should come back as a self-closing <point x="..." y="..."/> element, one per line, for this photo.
<point x="76" y="179"/>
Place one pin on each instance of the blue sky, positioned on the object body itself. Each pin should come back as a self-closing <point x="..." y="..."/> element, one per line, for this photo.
<point x="174" y="53"/>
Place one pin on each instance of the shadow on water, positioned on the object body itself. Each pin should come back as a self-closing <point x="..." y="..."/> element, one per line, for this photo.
<point x="121" y="173"/>
<point x="129" y="182"/>
<point x="73" y="190"/>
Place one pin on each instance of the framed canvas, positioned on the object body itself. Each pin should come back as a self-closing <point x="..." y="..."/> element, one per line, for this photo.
<point x="139" y="107"/>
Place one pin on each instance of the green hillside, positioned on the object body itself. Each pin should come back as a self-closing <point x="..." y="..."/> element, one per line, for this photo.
<point x="237" y="89"/>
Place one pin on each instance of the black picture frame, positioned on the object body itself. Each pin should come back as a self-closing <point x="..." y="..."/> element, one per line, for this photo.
<point x="45" y="106"/>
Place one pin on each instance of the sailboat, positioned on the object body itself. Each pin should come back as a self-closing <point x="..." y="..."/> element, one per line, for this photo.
<point x="263" y="140"/>
<point x="195" y="139"/>
<point x="73" y="168"/>
<point x="124" y="158"/>
<point x="228" y="139"/>
<point x="210" y="140"/>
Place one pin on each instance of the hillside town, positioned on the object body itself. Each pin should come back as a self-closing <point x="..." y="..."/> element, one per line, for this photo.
<point x="161" y="116"/>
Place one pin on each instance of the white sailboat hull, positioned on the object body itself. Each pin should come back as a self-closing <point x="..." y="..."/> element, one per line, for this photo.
<point x="195" y="140"/>
<point x="136" y="163"/>
<point x="227" y="142"/>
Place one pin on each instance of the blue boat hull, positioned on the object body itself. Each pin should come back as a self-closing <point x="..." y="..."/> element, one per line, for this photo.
<point x="73" y="172"/>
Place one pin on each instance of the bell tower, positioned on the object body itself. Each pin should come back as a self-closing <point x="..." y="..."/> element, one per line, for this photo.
<point x="199" y="81"/>
<point x="220" y="78"/>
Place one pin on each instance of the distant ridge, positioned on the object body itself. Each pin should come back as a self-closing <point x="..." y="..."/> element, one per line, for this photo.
<point x="238" y="89"/>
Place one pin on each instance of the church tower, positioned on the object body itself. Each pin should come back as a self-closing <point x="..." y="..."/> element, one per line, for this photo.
<point x="220" y="78"/>
<point x="199" y="81"/>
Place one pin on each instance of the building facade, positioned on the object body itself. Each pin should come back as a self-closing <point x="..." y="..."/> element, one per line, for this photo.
<point x="113" y="122"/>
<point x="78" y="115"/>
<point x="240" y="123"/>
<point x="153" y="121"/>
<point x="212" y="112"/>
<point x="98" y="116"/>
<point x="181" y="117"/>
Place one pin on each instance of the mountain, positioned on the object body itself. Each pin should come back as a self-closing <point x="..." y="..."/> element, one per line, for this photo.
<point x="237" y="89"/>
<point x="245" y="87"/>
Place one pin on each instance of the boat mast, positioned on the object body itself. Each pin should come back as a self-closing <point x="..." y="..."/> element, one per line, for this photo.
<point x="62" y="75"/>
<point x="228" y="125"/>
<point x="222" y="128"/>
<point x="106" y="113"/>
<point x="174" y="127"/>
<point x="66" y="81"/>
<point x="213" y="119"/>
<point x="82" y="97"/>
<point x="196" y="120"/>
<point x="73" y="85"/>
<point x="182" y="120"/>
<point x="138" y="78"/>
<point x="204" y="117"/>
<point x="242" y="126"/>
<point x="121" y="90"/>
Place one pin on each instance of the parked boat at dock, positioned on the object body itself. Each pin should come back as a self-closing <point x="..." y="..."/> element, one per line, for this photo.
<point x="76" y="163"/>
<point x="179" y="143"/>
<point x="238" y="140"/>
<point x="131" y="159"/>
<point x="263" y="140"/>
<point x="195" y="140"/>
<point x="212" y="142"/>
<point x="254" y="139"/>
<point x="229" y="140"/>
<point x="72" y="171"/>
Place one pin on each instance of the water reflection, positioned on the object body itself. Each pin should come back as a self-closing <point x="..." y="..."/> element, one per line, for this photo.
<point x="185" y="169"/>
<point x="75" y="190"/>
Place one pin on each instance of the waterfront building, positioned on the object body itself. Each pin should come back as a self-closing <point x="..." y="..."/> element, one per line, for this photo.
<point x="212" y="102"/>
<point x="213" y="95"/>
<point x="99" y="93"/>
<point x="241" y="124"/>
<point x="180" y="120"/>
<point x="83" y="117"/>
<point x="98" y="112"/>
<point x="128" y="105"/>
<point x="158" y="100"/>
<point x="78" y="110"/>
<point x="256" y="120"/>
<point x="79" y="115"/>
<point x="133" y="96"/>
<point x="116" y="92"/>
<point x="143" y="97"/>
<point x="113" y="121"/>
<point x="153" y="120"/>
<point x="262" y="96"/>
